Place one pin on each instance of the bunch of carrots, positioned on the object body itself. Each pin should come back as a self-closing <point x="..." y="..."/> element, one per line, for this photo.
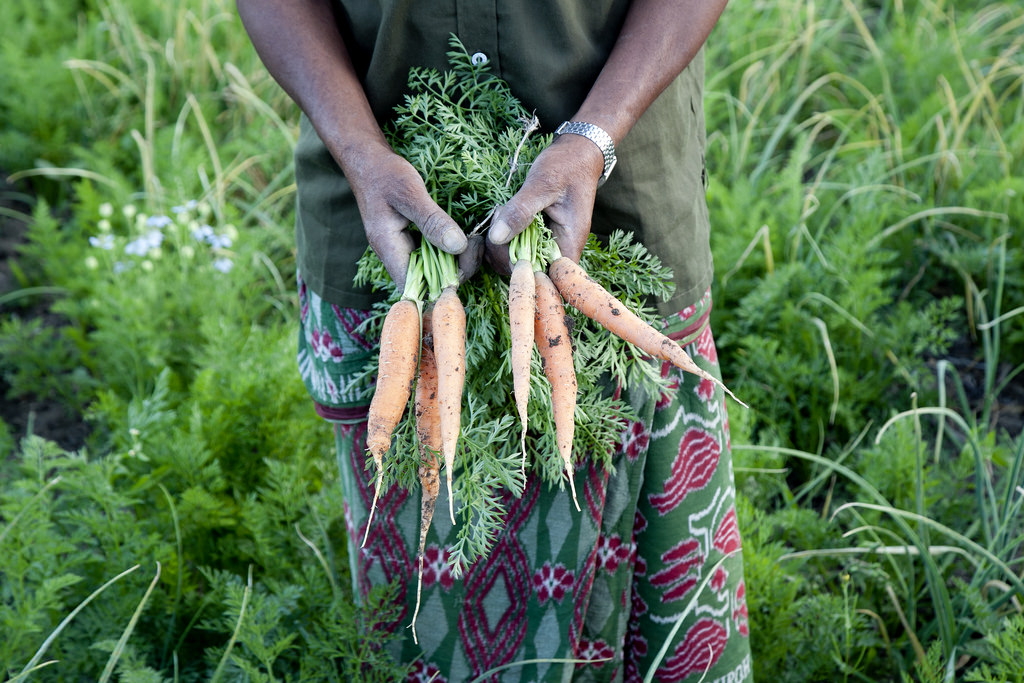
<point x="464" y="390"/>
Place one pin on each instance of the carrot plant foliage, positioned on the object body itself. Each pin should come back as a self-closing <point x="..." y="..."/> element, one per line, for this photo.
<point x="169" y="504"/>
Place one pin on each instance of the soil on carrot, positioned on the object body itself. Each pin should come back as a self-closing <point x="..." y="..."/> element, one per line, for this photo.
<point x="38" y="415"/>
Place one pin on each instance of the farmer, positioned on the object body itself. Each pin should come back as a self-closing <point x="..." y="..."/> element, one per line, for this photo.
<point x="609" y="583"/>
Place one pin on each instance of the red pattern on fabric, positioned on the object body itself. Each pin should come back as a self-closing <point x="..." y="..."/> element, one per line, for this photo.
<point x="683" y="564"/>
<point x="595" y="492"/>
<point x="727" y="537"/>
<point x="384" y="542"/>
<point x="595" y="489"/>
<point x="705" y="390"/>
<point x="437" y="567"/>
<point x="323" y="346"/>
<point x="692" y="469"/>
<point x="705" y="346"/>
<point x="303" y="300"/>
<point x="635" y="646"/>
<point x="700" y="649"/>
<point x="635" y="439"/>
<point x="739" y="614"/>
<point x="351" y="319"/>
<point x="424" y="672"/>
<point x="489" y="645"/>
<point x="592" y="650"/>
<point x="687" y="312"/>
<point x="552" y="582"/>
<point x="639" y="524"/>
<point x="612" y="552"/>
<point x="581" y="598"/>
<point x="719" y="580"/>
<point x="669" y="393"/>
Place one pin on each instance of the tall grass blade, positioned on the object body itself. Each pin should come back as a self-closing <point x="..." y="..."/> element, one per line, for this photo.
<point x="972" y="546"/>
<point x="115" y="655"/>
<point x="690" y="606"/>
<point x="64" y="623"/>
<point x="234" y="634"/>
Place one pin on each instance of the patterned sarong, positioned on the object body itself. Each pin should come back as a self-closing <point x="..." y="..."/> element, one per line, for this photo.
<point x="607" y="585"/>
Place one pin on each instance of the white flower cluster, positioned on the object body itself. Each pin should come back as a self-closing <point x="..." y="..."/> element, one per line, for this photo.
<point x="152" y="231"/>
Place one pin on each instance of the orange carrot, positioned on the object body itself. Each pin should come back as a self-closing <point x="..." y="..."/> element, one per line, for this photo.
<point x="586" y="295"/>
<point x="522" y="302"/>
<point x="555" y="347"/>
<point x="449" y="326"/>
<point x="428" y="431"/>
<point x="399" y="344"/>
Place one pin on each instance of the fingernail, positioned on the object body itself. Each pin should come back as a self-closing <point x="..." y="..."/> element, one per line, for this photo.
<point x="499" y="232"/>
<point x="453" y="241"/>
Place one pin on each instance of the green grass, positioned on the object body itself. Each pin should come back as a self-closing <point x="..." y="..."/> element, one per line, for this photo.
<point x="867" y="174"/>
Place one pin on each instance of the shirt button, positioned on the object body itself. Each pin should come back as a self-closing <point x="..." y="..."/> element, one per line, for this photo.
<point x="478" y="58"/>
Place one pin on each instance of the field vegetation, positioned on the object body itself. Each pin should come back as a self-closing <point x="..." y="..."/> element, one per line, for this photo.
<point x="168" y="500"/>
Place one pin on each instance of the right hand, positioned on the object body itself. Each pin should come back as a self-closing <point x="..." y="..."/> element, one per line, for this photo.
<point x="391" y="195"/>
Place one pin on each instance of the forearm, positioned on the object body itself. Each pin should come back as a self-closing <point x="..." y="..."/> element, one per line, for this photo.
<point x="299" y="43"/>
<point x="657" y="41"/>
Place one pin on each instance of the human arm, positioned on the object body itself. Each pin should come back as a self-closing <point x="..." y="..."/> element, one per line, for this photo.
<point x="299" y="43"/>
<point x="658" y="40"/>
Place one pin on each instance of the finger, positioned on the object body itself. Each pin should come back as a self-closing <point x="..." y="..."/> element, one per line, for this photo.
<point x="471" y="258"/>
<point x="497" y="256"/>
<point x="570" y="230"/>
<point x="515" y="216"/>
<point x="393" y="245"/>
<point x="437" y="227"/>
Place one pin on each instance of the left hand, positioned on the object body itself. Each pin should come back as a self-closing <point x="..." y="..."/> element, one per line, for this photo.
<point x="561" y="184"/>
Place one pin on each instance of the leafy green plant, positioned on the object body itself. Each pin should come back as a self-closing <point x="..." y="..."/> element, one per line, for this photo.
<point x="865" y="183"/>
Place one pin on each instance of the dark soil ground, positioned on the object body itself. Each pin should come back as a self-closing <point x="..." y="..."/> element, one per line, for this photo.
<point x="39" y="415"/>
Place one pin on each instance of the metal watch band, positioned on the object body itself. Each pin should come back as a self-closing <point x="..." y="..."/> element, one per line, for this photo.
<point x="599" y="137"/>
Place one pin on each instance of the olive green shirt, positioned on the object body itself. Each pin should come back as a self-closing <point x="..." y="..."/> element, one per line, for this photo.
<point x="550" y="53"/>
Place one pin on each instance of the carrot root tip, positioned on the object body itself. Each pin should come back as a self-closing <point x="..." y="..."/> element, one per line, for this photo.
<point x="451" y="498"/>
<point x="373" y="506"/>
<point x="572" y="487"/>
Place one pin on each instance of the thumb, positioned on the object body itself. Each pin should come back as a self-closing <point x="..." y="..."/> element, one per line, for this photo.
<point x="437" y="227"/>
<point x="517" y="214"/>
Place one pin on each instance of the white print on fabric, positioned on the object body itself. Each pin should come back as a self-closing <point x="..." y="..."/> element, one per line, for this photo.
<point x="738" y="675"/>
<point x="320" y="383"/>
<point x="710" y="527"/>
<point x="709" y="420"/>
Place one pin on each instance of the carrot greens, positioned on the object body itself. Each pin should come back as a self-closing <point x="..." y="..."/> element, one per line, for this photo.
<point x="473" y="144"/>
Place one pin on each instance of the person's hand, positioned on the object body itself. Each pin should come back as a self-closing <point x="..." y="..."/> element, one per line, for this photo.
<point x="391" y="195"/>
<point x="561" y="184"/>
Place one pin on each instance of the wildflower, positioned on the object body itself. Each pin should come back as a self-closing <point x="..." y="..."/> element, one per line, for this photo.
<point x="91" y="262"/>
<point x="220" y="241"/>
<point x="190" y="205"/>
<point x="159" y="221"/>
<point x="187" y="252"/>
<point x="121" y="266"/>
<point x="102" y="241"/>
<point x="106" y="210"/>
<point x="140" y="246"/>
<point x="147" y="266"/>
<point x="224" y="265"/>
<point x="203" y="233"/>
<point x="103" y="224"/>
<point x="129" y="211"/>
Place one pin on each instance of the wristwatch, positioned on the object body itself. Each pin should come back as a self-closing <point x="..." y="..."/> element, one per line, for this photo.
<point x="596" y="135"/>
